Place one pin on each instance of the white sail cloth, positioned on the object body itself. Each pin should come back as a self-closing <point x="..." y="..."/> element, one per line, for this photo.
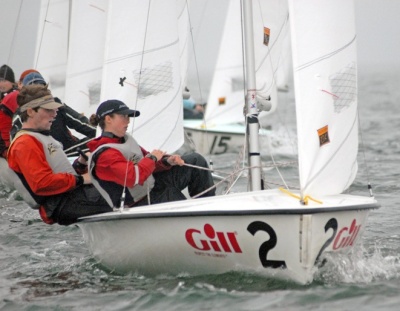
<point x="142" y="68"/>
<point x="325" y="76"/>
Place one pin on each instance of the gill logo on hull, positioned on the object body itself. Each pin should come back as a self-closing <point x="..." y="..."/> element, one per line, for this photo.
<point x="346" y="236"/>
<point x="211" y="240"/>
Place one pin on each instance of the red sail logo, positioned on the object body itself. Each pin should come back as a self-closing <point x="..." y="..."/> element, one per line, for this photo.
<point x="211" y="240"/>
<point x="346" y="236"/>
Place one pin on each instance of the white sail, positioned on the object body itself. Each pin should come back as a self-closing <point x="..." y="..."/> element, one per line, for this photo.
<point x="325" y="75"/>
<point x="17" y="49"/>
<point x="52" y="44"/>
<point x="226" y="100"/>
<point x="86" y="54"/>
<point x="142" y="69"/>
<point x="206" y="17"/>
<point x="184" y="38"/>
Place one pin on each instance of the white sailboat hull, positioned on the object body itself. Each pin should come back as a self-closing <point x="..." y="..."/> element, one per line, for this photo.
<point x="218" y="138"/>
<point x="266" y="232"/>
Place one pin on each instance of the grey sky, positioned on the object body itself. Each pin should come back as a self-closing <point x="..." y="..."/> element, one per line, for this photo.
<point x="378" y="30"/>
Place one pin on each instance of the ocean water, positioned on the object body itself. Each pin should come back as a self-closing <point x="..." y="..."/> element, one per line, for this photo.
<point x="49" y="267"/>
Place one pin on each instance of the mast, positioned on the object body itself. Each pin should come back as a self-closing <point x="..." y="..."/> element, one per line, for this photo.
<point x="251" y="100"/>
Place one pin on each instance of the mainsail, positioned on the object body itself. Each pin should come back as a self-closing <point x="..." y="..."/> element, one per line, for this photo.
<point x="325" y="76"/>
<point x="86" y="54"/>
<point x="142" y="68"/>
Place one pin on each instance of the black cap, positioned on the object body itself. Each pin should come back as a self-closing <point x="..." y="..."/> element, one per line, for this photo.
<point x="115" y="106"/>
<point x="7" y="73"/>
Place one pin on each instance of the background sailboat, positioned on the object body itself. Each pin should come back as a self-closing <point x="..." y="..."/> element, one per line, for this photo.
<point x="52" y="44"/>
<point x="277" y="233"/>
<point x="223" y="126"/>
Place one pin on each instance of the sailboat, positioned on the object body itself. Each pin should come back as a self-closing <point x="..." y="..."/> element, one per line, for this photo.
<point x="279" y="233"/>
<point x="223" y="128"/>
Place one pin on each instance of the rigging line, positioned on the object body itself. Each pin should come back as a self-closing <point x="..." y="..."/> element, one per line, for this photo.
<point x="329" y="55"/>
<point x="14" y="34"/>
<point x="269" y="56"/>
<point x="77" y="145"/>
<point x="223" y="180"/>
<point x="363" y="153"/>
<point x="42" y="35"/>
<point x="194" y="53"/>
<point x="239" y="159"/>
<point x="121" y="208"/>
<point x="243" y="64"/>
<point x="273" y="161"/>
<point x="141" y="53"/>
<point x="239" y="169"/>
<point x="280" y="33"/>
<point x="198" y="80"/>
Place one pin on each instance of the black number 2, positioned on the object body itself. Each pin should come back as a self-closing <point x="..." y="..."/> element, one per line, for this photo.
<point x="331" y="224"/>
<point x="265" y="247"/>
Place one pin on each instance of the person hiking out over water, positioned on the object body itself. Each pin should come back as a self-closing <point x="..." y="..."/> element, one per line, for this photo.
<point x="8" y="106"/>
<point x="67" y="118"/>
<point x="63" y="192"/>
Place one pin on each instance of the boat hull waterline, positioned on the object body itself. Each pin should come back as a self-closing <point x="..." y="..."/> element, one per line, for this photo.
<point x="239" y="232"/>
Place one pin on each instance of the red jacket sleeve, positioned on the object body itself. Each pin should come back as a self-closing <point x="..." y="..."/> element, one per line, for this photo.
<point x="112" y="166"/>
<point x="26" y="156"/>
<point x="5" y="127"/>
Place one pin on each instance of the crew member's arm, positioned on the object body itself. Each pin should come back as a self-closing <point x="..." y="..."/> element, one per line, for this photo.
<point x="79" y="122"/>
<point x="5" y="126"/>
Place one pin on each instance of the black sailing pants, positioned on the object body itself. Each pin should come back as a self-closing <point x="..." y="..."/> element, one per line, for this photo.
<point x="169" y="184"/>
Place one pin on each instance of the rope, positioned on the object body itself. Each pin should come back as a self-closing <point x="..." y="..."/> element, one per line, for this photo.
<point x="363" y="153"/>
<point x="303" y="201"/>
<point x="42" y="34"/>
<point x="236" y="172"/>
<point x="14" y="34"/>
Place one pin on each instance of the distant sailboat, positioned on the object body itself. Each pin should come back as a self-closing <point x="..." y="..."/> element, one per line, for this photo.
<point x="223" y="127"/>
<point x="52" y="44"/>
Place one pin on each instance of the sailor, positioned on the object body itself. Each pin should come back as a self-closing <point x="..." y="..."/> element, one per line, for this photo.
<point x="117" y="161"/>
<point x="191" y="110"/>
<point x="62" y="191"/>
<point x="67" y="118"/>
<point x="8" y="106"/>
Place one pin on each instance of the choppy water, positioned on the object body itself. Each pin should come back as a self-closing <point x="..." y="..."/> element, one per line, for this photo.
<point x="49" y="268"/>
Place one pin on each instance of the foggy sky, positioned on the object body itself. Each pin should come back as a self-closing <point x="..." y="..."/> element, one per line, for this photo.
<point x="377" y="21"/>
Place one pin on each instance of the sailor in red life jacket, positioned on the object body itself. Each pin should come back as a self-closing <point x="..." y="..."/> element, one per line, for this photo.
<point x="117" y="161"/>
<point x="63" y="191"/>
<point x="8" y="106"/>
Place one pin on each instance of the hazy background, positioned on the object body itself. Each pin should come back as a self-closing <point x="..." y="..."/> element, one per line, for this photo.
<point x="377" y="21"/>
